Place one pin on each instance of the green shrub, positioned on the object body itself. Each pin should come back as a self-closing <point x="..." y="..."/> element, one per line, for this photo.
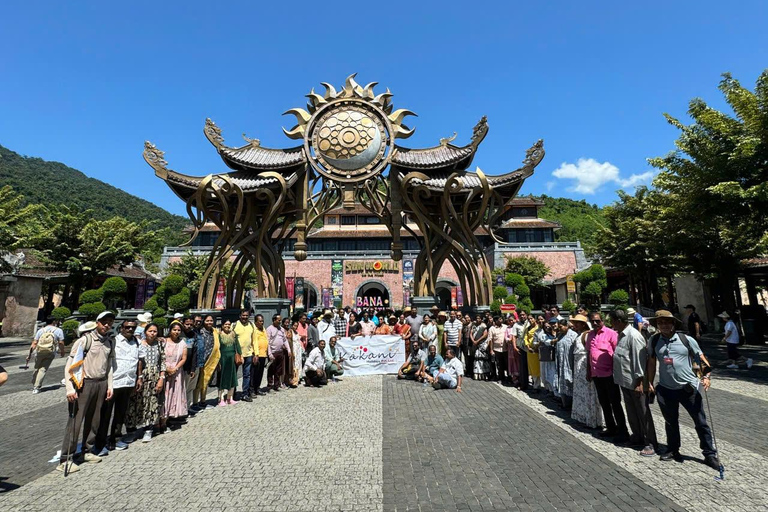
<point x="522" y="290"/>
<point x="593" y="290"/>
<point x="569" y="306"/>
<point x="496" y="307"/>
<point x="514" y="280"/>
<point x="500" y="292"/>
<point x="70" y="328"/>
<point x="91" y="296"/>
<point x="161" y="293"/>
<point x="619" y="298"/>
<point x="114" y="286"/>
<point x="173" y="283"/>
<point x="151" y="304"/>
<point x="92" y="309"/>
<point x="60" y="313"/>
<point x="526" y="305"/>
<point x="162" y="323"/>
<point x="157" y="314"/>
<point x="179" y="302"/>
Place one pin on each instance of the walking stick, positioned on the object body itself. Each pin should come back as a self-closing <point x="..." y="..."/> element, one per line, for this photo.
<point x="71" y="424"/>
<point x="721" y="476"/>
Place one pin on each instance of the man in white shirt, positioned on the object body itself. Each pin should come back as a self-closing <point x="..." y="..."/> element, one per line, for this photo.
<point x="124" y="382"/>
<point x="451" y="373"/>
<point x="48" y="341"/>
<point x="325" y="326"/>
<point x="314" y="366"/>
<point x="731" y="340"/>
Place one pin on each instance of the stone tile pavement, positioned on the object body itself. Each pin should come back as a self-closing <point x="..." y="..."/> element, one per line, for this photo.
<point x="376" y="443"/>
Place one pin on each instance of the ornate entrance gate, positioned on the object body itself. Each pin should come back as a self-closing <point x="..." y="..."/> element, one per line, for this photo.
<point x="348" y="155"/>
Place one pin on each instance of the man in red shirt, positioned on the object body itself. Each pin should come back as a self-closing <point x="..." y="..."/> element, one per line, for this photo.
<point x="601" y="343"/>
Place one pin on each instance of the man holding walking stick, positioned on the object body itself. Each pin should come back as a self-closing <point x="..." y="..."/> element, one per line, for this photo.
<point x="87" y="395"/>
<point x="679" y="385"/>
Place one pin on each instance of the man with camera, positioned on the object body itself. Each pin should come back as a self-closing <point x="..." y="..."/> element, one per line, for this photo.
<point x="679" y="384"/>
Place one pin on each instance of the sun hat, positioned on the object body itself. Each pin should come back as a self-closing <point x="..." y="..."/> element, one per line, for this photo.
<point x="86" y="327"/>
<point x="144" y="318"/>
<point x="580" y="318"/>
<point x="663" y="313"/>
<point x="407" y="309"/>
<point x="724" y="314"/>
<point x="178" y="316"/>
<point x="631" y="311"/>
<point x="105" y="314"/>
<point x="442" y="313"/>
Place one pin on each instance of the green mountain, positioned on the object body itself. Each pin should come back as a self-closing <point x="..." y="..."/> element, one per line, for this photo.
<point x="43" y="182"/>
<point x="578" y="219"/>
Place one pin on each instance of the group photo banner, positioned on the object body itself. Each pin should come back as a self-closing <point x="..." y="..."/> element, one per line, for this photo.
<point x="371" y="355"/>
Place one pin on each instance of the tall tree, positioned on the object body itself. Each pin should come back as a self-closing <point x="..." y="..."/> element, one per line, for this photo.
<point x="20" y="226"/>
<point x="715" y="184"/>
<point x="633" y="240"/>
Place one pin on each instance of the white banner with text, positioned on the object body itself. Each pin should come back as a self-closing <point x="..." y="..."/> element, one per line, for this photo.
<point x="371" y="355"/>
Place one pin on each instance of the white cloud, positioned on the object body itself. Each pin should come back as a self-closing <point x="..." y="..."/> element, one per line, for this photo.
<point x="550" y="185"/>
<point x="589" y="175"/>
<point x="638" y="179"/>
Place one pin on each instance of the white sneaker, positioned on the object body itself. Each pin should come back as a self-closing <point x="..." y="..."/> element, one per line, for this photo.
<point x="732" y="366"/>
<point x="120" y="445"/>
<point x="73" y="468"/>
<point x="89" y="457"/>
<point x="35" y="391"/>
<point x="104" y="452"/>
<point x="209" y="406"/>
<point x="750" y="362"/>
<point x="147" y="436"/>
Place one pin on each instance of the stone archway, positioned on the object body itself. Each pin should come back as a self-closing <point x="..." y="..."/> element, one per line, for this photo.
<point x="373" y="293"/>
<point x="312" y="296"/>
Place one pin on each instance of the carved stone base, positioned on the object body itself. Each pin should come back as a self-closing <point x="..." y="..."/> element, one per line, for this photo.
<point x="271" y="306"/>
<point x="423" y="304"/>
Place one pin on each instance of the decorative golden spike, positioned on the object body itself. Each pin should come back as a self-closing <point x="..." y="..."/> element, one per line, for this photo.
<point x="398" y="115"/>
<point x="315" y="98"/>
<point x="350" y="86"/>
<point x="297" y="132"/>
<point x="302" y="116"/>
<point x="402" y="131"/>
<point x="330" y="91"/>
<point x="368" y="90"/>
<point x="382" y="99"/>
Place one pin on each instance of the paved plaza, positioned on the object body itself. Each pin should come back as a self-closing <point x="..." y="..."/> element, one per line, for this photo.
<point x="375" y="443"/>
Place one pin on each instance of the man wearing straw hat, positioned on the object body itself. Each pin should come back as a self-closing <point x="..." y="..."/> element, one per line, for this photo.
<point x="679" y="385"/>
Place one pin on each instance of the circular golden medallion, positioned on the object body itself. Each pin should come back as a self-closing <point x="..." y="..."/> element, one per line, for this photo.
<point x="349" y="140"/>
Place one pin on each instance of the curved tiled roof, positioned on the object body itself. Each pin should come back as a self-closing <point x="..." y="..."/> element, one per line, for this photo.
<point x="256" y="157"/>
<point x="252" y="155"/>
<point x="247" y="181"/>
<point x="432" y="158"/>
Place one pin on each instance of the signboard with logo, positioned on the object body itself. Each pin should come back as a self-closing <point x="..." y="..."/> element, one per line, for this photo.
<point x="571" y="286"/>
<point x="371" y="268"/>
<point x="507" y="308"/>
<point x="459" y="297"/>
<point x="221" y="295"/>
<point x="289" y="286"/>
<point x="371" y="355"/>
<point x="500" y="280"/>
<point x="337" y="281"/>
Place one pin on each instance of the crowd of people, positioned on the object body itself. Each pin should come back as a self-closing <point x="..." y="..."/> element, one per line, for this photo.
<point x="145" y="379"/>
<point x="604" y="376"/>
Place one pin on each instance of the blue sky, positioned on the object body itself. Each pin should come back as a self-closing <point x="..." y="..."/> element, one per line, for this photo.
<point x="85" y="83"/>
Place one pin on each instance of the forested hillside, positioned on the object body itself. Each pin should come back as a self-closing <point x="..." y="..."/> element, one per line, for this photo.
<point x="51" y="183"/>
<point x="578" y="219"/>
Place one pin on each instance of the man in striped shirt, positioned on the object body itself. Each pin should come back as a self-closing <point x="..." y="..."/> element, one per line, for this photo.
<point x="453" y="333"/>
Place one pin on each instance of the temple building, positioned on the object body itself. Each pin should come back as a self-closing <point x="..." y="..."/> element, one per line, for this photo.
<point x="348" y="258"/>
